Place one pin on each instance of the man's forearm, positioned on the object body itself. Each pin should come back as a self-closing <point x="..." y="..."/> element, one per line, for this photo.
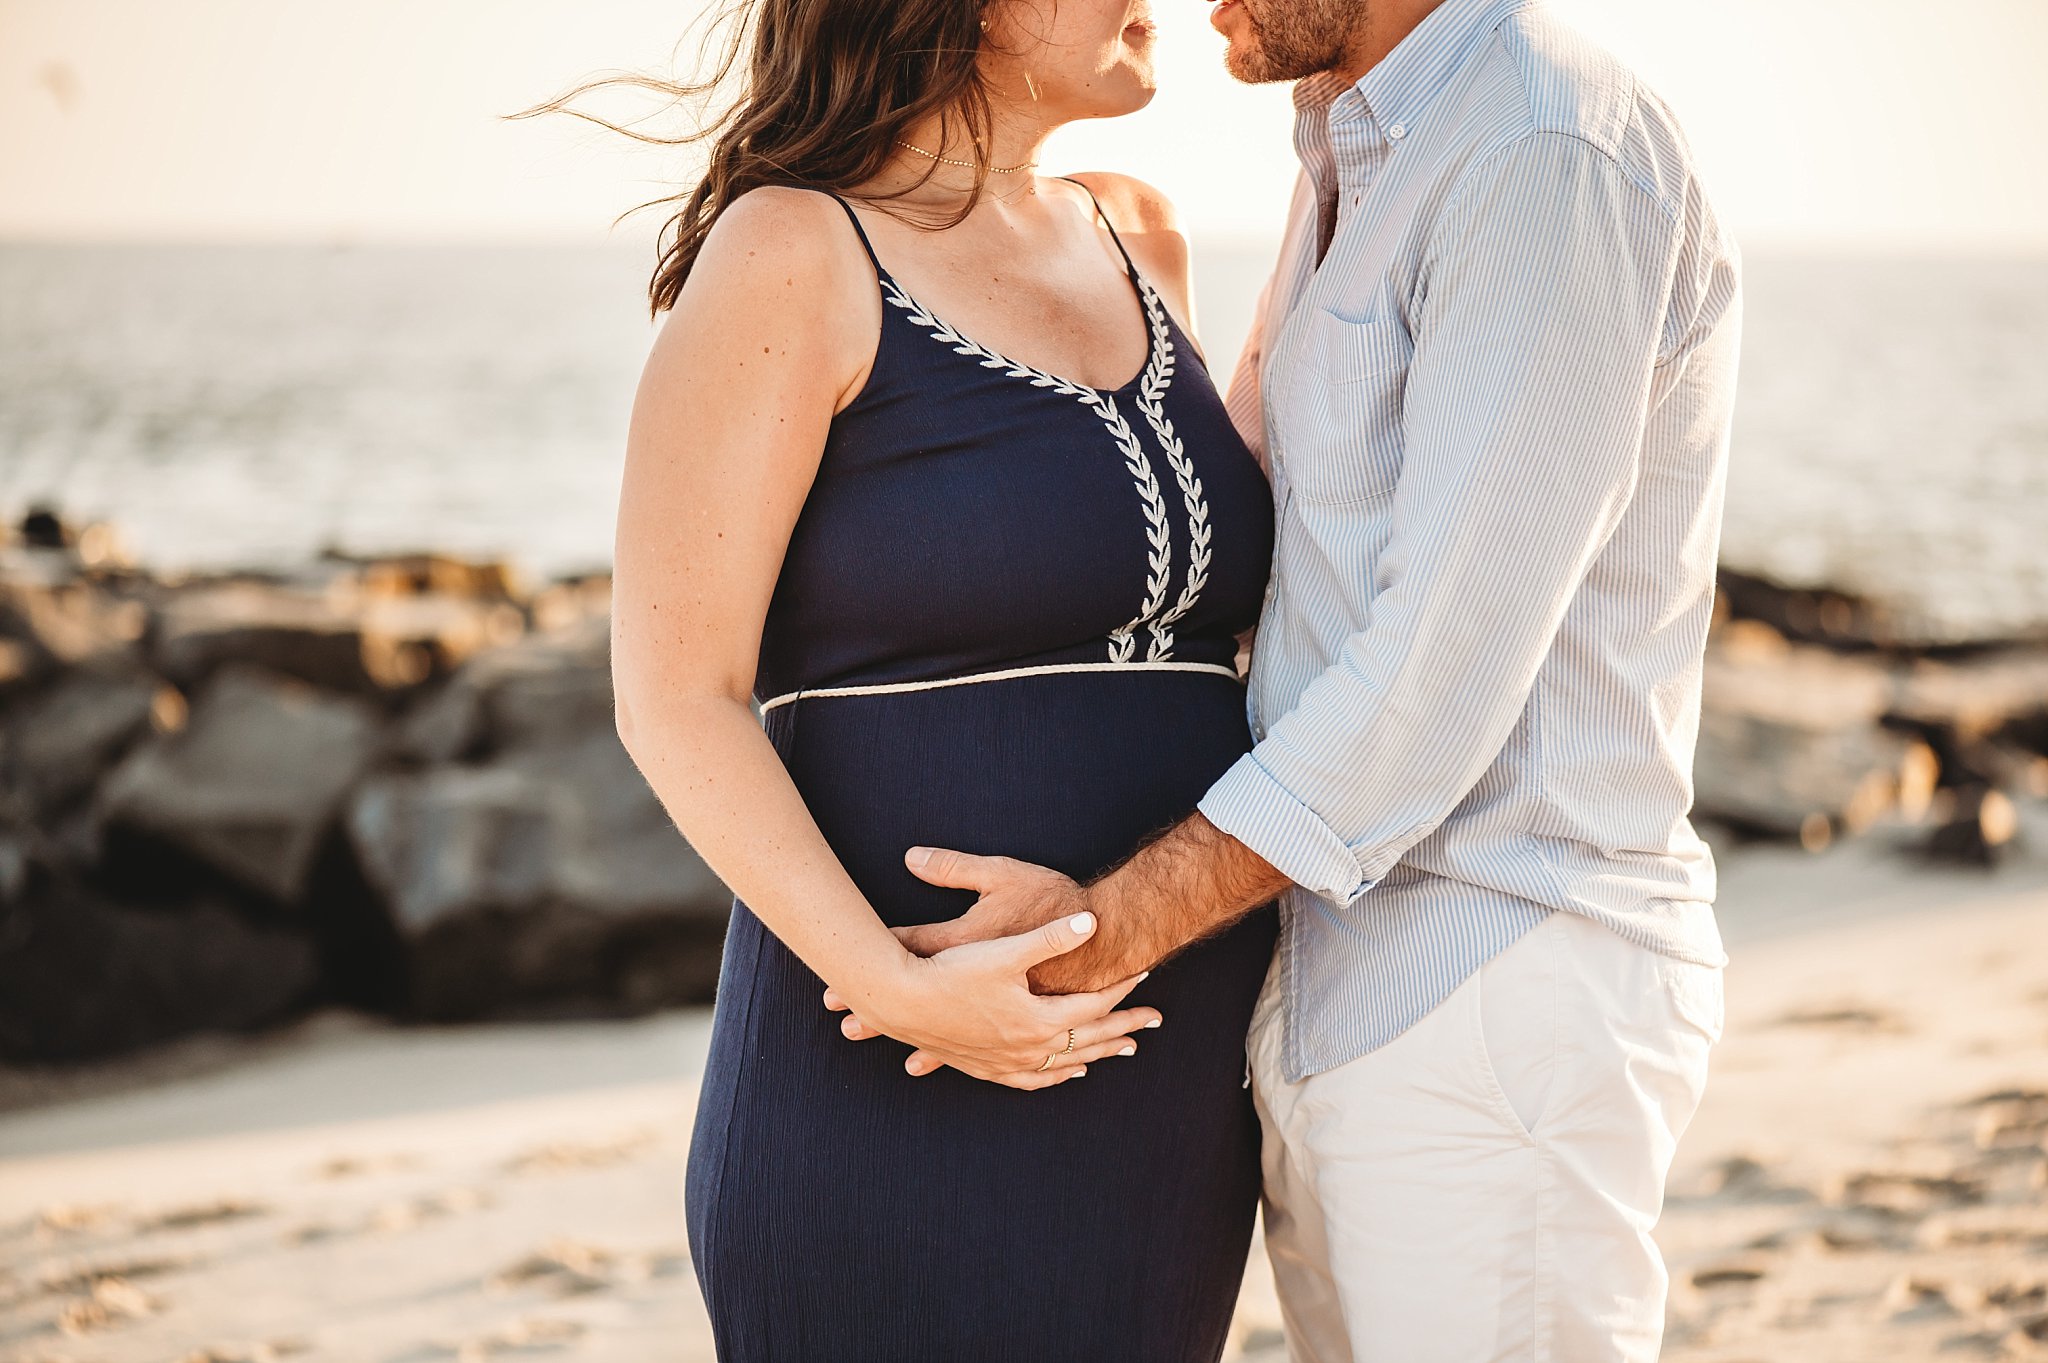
<point x="1190" y="881"/>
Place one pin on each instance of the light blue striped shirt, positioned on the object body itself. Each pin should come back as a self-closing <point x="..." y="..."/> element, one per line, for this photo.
<point x="1496" y="419"/>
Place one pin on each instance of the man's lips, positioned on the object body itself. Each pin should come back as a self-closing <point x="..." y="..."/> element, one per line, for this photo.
<point x="1223" y="10"/>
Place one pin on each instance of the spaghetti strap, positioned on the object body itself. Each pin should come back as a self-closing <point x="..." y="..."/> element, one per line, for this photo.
<point x="1129" y="264"/>
<point x="860" y="231"/>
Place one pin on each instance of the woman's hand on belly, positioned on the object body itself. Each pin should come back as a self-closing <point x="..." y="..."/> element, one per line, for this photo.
<point x="972" y="1008"/>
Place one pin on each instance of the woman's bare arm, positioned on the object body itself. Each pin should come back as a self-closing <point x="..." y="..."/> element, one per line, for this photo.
<point x="727" y="429"/>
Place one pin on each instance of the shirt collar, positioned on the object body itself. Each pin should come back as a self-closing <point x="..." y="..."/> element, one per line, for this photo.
<point x="1399" y="89"/>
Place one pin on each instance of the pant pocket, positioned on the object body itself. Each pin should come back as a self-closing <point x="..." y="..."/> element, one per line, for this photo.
<point x="1697" y="995"/>
<point x="1515" y="1008"/>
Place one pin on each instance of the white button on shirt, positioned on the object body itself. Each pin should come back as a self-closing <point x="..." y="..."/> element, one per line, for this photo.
<point x="1491" y="381"/>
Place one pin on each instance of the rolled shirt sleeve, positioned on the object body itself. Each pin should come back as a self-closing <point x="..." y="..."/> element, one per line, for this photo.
<point x="1536" y="324"/>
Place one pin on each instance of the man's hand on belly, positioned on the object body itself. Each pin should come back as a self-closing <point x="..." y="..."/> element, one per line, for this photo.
<point x="1016" y="897"/>
<point x="1190" y="881"/>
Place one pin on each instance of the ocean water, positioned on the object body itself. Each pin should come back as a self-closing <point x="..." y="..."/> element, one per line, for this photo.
<point x="229" y="405"/>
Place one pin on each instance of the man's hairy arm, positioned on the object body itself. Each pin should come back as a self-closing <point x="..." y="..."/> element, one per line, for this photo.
<point x="1188" y="883"/>
<point x="1182" y="885"/>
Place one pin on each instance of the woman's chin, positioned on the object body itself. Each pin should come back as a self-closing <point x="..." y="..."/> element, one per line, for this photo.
<point x="1137" y="84"/>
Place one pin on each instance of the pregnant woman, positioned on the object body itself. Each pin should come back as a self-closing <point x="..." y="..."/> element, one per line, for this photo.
<point x="925" y="465"/>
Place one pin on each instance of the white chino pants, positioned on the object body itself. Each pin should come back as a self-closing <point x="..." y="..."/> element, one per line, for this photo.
<point x="1483" y="1187"/>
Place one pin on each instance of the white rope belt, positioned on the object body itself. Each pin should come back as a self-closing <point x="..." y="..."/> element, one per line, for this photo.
<point x="1051" y="669"/>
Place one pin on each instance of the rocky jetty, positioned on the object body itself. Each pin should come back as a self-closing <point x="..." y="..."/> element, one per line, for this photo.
<point x="394" y="782"/>
<point x="1820" y="722"/>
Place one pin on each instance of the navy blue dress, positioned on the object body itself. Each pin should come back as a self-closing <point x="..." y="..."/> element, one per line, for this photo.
<point x="1005" y="624"/>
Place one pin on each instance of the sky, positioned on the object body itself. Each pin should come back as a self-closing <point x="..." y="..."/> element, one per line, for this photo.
<point x="1865" y="125"/>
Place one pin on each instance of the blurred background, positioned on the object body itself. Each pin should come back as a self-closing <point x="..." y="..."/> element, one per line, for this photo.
<point x="351" y="980"/>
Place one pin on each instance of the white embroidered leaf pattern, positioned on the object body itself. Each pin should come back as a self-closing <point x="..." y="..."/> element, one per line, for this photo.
<point x="1159" y="561"/>
<point x="1152" y="403"/>
<point x="1158" y="537"/>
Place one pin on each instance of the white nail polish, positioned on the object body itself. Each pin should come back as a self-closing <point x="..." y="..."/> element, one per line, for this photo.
<point x="1155" y="1022"/>
<point x="1082" y="923"/>
<point x="1128" y="1050"/>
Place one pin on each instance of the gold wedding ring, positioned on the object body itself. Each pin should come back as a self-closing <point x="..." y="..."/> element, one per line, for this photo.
<point x="1057" y="1054"/>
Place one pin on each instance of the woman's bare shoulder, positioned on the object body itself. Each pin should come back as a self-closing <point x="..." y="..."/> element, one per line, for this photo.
<point x="1151" y="229"/>
<point x="1136" y="206"/>
<point x="780" y="270"/>
<point x="780" y="228"/>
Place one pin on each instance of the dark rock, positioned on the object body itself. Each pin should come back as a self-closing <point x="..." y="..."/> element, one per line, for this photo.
<point x="298" y="634"/>
<point x="251" y="783"/>
<point x="1807" y="615"/>
<point x="427" y="573"/>
<point x="16" y="851"/>
<point x="446" y="726"/>
<point x="571" y="601"/>
<point x="412" y="639"/>
<point x="55" y="747"/>
<point x="618" y="849"/>
<point x="19" y="665"/>
<point x="55" y="615"/>
<point x="550" y="877"/>
<point x="541" y="691"/>
<point x="362" y="959"/>
<point x="82" y="976"/>
<point x="1977" y="827"/>
<point x="338" y="636"/>
<point x="454" y="839"/>
<point x="43" y="528"/>
<point x="1791" y="740"/>
<point x="1976" y="695"/>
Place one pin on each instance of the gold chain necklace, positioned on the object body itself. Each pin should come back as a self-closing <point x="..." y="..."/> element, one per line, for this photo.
<point x="970" y="165"/>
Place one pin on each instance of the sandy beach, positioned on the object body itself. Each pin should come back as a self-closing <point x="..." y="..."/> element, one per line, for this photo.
<point x="1865" y="1181"/>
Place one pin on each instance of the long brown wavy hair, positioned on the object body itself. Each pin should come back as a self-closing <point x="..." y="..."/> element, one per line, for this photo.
<point x="826" y="89"/>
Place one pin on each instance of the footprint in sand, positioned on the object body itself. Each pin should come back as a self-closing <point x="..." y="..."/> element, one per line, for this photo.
<point x="111" y="1302"/>
<point x="249" y="1351"/>
<point x="535" y="1334"/>
<point x="1847" y="1016"/>
<point x="201" y="1214"/>
<point x="1843" y="1232"/>
<point x="572" y="1267"/>
<point x="1743" y="1178"/>
<point x="2010" y="1119"/>
<point x="561" y="1155"/>
<point x="390" y="1217"/>
<point x="60" y="1279"/>
<point x="2005" y="1228"/>
<point x="355" y="1166"/>
<point x="1915" y="1296"/>
<point x="1727" y="1275"/>
<point x="70" y="1218"/>
<point x="410" y="1212"/>
<point x="1907" y="1194"/>
<point x="2028" y="1339"/>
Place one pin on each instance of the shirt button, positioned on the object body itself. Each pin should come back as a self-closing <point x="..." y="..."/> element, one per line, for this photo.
<point x="1398" y="131"/>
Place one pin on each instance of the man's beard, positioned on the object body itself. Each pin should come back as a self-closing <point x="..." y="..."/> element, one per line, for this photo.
<point x="1295" y="38"/>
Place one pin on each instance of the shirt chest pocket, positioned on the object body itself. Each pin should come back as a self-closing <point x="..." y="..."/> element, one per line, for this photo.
<point x="1339" y="418"/>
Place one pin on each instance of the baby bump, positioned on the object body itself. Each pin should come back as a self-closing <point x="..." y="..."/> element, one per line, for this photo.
<point x="1069" y="771"/>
